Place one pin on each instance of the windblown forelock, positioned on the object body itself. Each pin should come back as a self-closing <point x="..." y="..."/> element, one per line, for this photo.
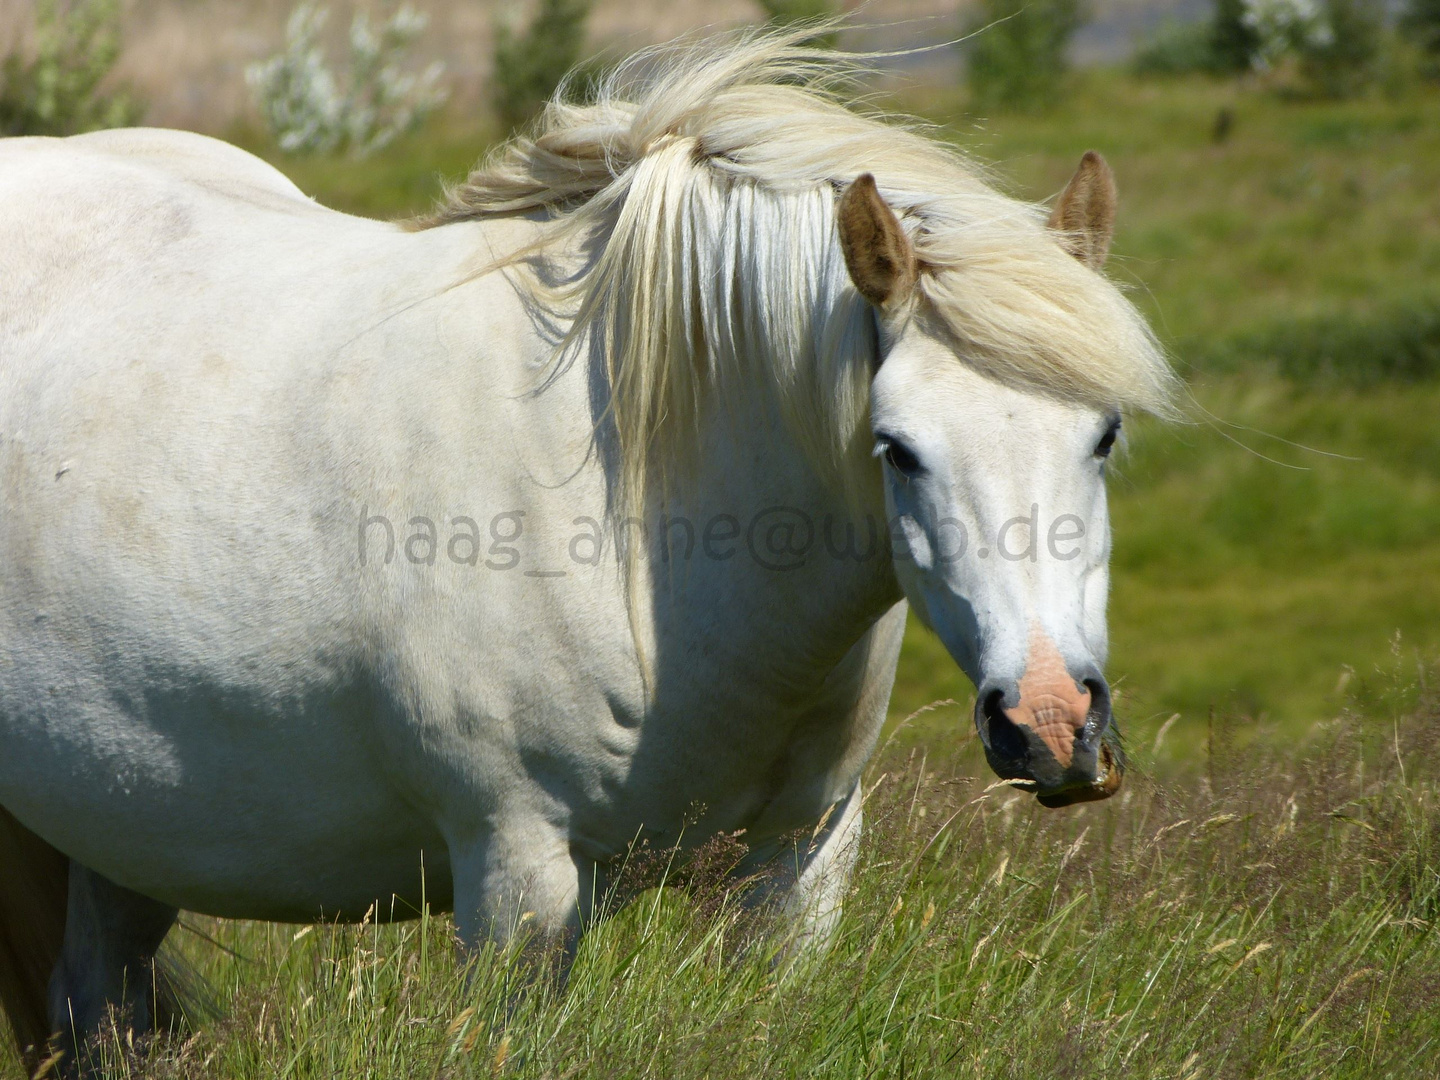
<point x="1040" y="319"/>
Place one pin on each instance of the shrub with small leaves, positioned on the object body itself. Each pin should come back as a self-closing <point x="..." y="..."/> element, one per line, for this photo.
<point x="1421" y="21"/>
<point x="1234" y="41"/>
<point x="530" y="64"/>
<point x="1281" y="27"/>
<point x="1017" y="51"/>
<point x="1345" y="59"/>
<point x="1334" y="44"/>
<point x="57" y="91"/>
<point x="309" y="109"/>
<point x="789" y="12"/>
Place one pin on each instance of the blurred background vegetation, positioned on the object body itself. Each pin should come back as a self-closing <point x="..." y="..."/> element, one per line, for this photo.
<point x="1279" y="163"/>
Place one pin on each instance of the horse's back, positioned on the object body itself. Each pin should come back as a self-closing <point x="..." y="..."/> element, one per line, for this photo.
<point x="97" y="170"/>
<point x="197" y="158"/>
<point x="120" y="211"/>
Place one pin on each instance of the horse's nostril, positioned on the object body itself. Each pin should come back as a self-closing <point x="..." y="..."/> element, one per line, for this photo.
<point x="1099" y="717"/>
<point x="1006" y="739"/>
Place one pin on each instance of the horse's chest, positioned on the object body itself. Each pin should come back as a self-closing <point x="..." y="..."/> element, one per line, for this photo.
<point x="716" y="754"/>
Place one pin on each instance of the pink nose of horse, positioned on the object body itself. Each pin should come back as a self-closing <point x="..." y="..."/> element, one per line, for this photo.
<point x="1051" y="704"/>
<point x="1051" y="728"/>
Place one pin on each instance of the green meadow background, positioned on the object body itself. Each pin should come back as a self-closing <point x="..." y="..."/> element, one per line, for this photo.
<point x="1260" y="901"/>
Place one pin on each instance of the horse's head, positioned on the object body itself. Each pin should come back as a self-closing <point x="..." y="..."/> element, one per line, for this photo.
<point x="997" y="494"/>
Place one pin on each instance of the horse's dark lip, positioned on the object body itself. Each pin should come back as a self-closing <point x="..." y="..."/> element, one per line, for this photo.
<point x="1102" y="787"/>
<point x="1107" y="783"/>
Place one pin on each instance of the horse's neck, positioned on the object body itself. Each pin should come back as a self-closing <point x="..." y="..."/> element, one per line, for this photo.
<point x="780" y="619"/>
<point x="783" y="578"/>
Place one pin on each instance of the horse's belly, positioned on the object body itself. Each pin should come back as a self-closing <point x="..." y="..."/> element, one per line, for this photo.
<point x="228" y="813"/>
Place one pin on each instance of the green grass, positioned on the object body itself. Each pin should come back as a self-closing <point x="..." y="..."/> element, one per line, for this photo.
<point x="1400" y="342"/>
<point x="1275" y="919"/>
<point x="405" y="178"/>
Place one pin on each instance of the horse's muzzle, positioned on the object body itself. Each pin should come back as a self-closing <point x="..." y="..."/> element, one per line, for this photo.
<point x="1063" y="752"/>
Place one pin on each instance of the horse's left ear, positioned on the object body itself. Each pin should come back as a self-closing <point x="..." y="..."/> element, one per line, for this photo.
<point x="878" y="254"/>
<point x="1084" y="215"/>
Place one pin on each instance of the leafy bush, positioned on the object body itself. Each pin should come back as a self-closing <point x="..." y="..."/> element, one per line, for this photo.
<point x="1421" y="20"/>
<point x="1335" y="44"/>
<point x="1017" y="54"/>
<point x="1344" y="59"/>
<point x="1282" y="27"/>
<point x="529" y="65"/>
<point x="788" y="12"/>
<point x="307" y="108"/>
<point x="1234" y="39"/>
<point x="57" y="93"/>
<point x="1177" y="49"/>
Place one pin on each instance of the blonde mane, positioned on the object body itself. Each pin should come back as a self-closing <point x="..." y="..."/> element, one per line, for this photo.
<point x="704" y="176"/>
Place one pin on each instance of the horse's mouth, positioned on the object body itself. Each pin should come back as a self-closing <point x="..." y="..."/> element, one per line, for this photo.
<point x="1109" y="776"/>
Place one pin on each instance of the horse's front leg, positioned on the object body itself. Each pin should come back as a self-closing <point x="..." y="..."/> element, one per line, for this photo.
<point x="807" y="881"/>
<point x="519" y="883"/>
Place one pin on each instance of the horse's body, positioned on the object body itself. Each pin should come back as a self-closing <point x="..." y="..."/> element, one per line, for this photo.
<point x="270" y="645"/>
<point x="230" y="712"/>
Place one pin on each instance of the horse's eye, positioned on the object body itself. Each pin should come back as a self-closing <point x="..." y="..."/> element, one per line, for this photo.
<point x="901" y="458"/>
<point x="1107" y="441"/>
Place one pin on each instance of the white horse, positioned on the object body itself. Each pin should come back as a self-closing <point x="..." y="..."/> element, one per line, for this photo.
<point x="342" y="559"/>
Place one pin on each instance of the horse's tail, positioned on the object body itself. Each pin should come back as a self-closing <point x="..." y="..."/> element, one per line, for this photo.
<point x="34" y="888"/>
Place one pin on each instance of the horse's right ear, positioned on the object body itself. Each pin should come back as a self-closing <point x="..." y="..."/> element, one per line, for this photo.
<point x="1084" y="215"/>
<point x="878" y="254"/>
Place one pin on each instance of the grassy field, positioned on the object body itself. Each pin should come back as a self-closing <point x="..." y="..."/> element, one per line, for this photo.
<point x="1261" y="901"/>
<point x="1275" y="919"/>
